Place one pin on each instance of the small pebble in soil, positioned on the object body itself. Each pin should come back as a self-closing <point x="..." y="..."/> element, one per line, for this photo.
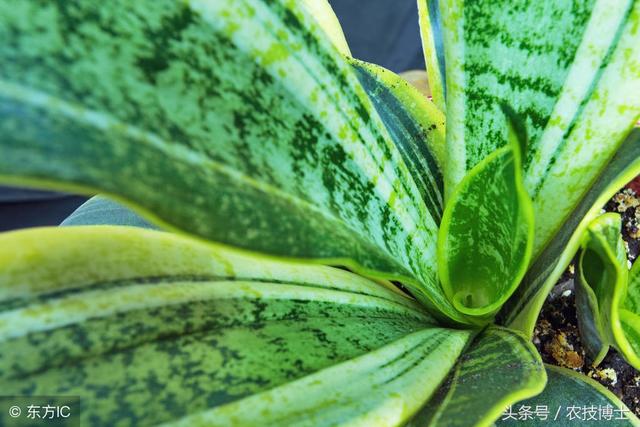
<point x="556" y="334"/>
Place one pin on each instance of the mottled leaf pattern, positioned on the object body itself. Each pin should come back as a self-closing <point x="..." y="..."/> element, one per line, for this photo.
<point x="416" y="127"/>
<point x="151" y="327"/>
<point x="382" y="388"/>
<point x="521" y="311"/>
<point x="245" y="124"/>
<point x="568" y="67"/>
<point x="238" y="122"/>
<point x="485" y="239"/>
<point x="501" y="366"/>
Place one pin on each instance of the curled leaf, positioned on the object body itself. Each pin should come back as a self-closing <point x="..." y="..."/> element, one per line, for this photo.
<point x="485" y="240"/>
<point x="601" y="289"/>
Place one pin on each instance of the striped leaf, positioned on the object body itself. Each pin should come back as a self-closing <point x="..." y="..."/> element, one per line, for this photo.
<point x="569" y="399"/>
<point x="522" y="309"/>
<point x="431" y="33"/>
<point x="499" y="368"/>
<point x="569" y="67"/>
<point x="238" y="122"/>
<point x="601" y="289"/>
<point x="382" y="388"/>
<point x="148" y="327"/>
<point x="415" y="124"/>
<point x="485" y="239"/>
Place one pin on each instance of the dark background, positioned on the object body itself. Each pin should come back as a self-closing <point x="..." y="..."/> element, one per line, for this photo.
<point x="384" y="32"/>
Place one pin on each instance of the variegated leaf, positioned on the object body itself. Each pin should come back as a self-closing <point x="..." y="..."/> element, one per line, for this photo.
<point x="415" y="124"/>
<point x="485" y="239"/>
<point x="238" y="122"/>
<point x="601" y="288"/>
<point x="323" y="14"/>
<point x="499" y="368"/>
<point x="431" y="33"/>
<point x="148" y="327"/>
<point x="569" y="67"/>
<point x="521" y="311"/>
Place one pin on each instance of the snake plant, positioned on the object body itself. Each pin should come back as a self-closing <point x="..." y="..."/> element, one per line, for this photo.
<point x="329" y="247"/>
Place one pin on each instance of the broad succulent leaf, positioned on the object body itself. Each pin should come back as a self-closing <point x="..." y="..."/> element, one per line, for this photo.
<point x="565" y="397"/>
<point x="499" y="368"/>
<point x="521" y="311"/>
<point x="499" y="361"/>
<point x="246" y="124"/>
<point x="416" y="125"/>
<point x="163" y="329"/>
<point x="569" y="68"/>
<point x="238" y="122"/>
<point x="486" y="235"/>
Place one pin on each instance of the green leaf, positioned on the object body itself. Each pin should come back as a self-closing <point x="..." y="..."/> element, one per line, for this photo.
<point x="569" y="68"/>
<point x="431" y="33"/>
<point x="325" y="17"/>
<point x="627" y="331"/>
<point x="486" y="236"/>
<point x="237" y="122"/>
<point x="632" y="301"/>
<point x="100" y="210"/>
<point x="565" y="397"/>
<point x="602" y="276"/>
<point x="522" y="309"/>
<point x="149" y="327"/>
<point x="384" y="387"/>
<point x="416" y="126"/>
<point x="499" y="368"/>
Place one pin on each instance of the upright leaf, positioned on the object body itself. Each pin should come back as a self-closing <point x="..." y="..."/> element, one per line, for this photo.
<point x="415" y="124"/>
<point x="149" y="327"/>
<point x="522" y="309"/>
<point x="323" y="14"/>
<point x="485" y="239"/>
<point x="568" y="67"/>
<point x="432" y="44"/>
<point x="601" y="288"/>
<point x="499" y="368"/>
<point x="624" y="324"/>
<point x="238" y="122"/>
